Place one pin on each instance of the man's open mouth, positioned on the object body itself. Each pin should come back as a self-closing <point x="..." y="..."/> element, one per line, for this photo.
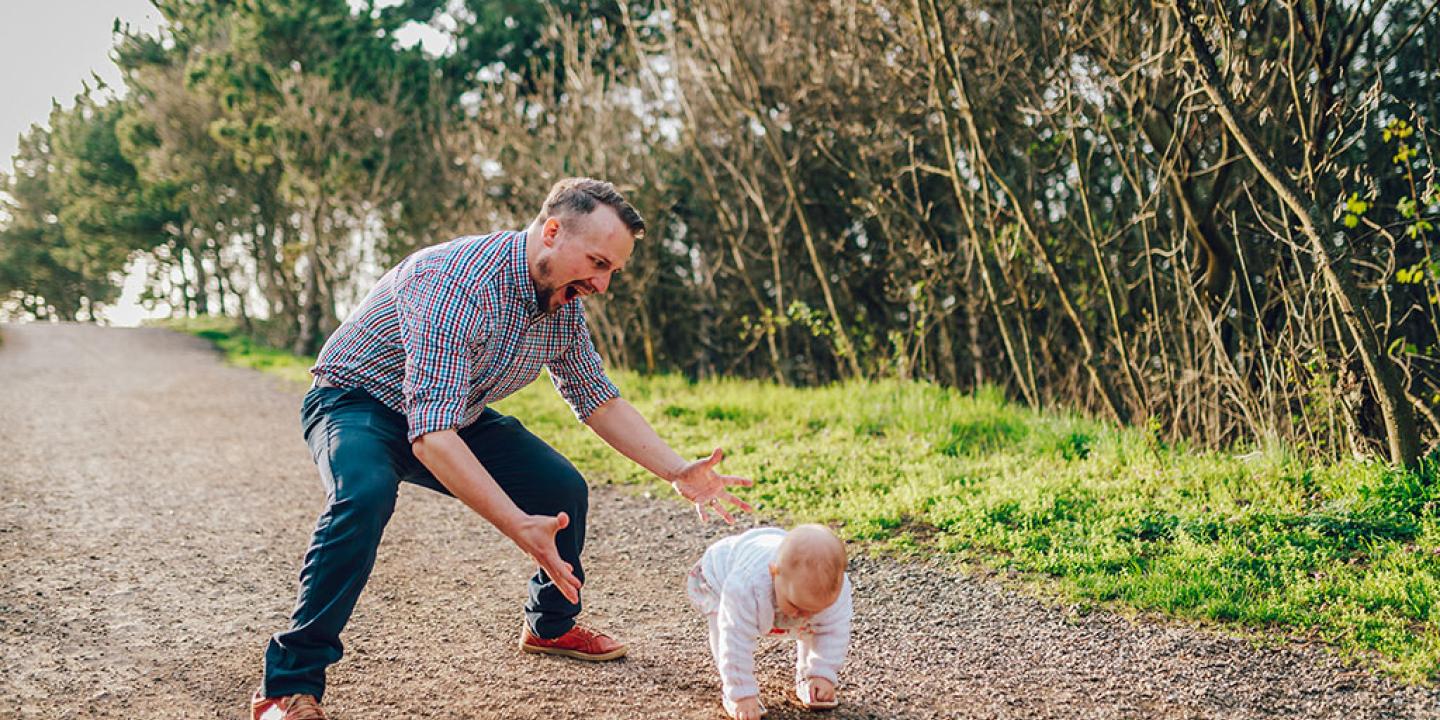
<point x="573" y="291"/>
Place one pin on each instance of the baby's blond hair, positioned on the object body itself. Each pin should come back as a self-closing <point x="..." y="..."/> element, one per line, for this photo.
<point x="814" y="557"/>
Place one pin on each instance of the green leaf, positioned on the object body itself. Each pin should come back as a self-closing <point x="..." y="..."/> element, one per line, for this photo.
<point x="1351" y="220"/>
<point x="1406" y="206"/>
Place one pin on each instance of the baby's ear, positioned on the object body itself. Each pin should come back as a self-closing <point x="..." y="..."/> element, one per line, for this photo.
<point x="773" y="570"/>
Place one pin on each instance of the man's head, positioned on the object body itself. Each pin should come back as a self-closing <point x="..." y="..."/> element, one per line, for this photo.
<point x="583" y="235"/>
<point x="809" y="571"/>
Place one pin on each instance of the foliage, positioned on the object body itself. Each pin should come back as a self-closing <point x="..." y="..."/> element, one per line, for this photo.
<point x="1036" y="197"/>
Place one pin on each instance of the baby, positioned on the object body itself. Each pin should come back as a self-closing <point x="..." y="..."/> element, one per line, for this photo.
<point x="770" y="582"/>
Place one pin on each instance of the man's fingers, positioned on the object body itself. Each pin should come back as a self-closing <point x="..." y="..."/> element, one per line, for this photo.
<point x="559" y="570"/>
<point x="563" y="575"/>
<point x="700" y="510"/>
<point x="569" y="591"/>
<point x="737" y="480"/>
<point x="715" y="457"/>
<point x="565" y="581"/>
<point x="737" y="502"/>
<point x="721" y="510"/>
<point x="538" y="539"/>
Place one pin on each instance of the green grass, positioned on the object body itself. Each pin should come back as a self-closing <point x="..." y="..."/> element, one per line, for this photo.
<point x="241" y="349"/>
<point x="1264" y="543"/>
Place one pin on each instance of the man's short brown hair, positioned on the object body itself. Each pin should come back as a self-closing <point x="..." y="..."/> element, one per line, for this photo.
<point x="580" y="195"/>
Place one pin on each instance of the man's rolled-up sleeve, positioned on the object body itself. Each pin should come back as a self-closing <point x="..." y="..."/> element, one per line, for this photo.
<point x="579" y="374"/>
<point x="439" y="324"/>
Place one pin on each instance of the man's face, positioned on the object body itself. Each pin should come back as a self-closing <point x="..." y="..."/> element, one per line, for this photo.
<point x="579" y="255"/>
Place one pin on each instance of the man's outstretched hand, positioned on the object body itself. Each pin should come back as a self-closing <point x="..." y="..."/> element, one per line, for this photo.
<point x="535" y="534"/>
<point x="700" y="484"/>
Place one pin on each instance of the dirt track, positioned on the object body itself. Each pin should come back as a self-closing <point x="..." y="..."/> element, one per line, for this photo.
<point x="156" y="504"/>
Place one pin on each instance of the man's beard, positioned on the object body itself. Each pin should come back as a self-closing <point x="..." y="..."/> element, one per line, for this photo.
<point x="549" y="297"/>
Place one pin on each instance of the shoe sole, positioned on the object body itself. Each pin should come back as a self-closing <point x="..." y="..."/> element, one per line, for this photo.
<point x="589" y="657"/>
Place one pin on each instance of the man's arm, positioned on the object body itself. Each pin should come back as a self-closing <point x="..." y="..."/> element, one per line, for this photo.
<point x="618" y="423"/>
<point x="439" y="318"/>
<point x="449" y="459"/>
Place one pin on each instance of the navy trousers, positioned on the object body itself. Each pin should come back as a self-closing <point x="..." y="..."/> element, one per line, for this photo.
<point x="360" y="448"/>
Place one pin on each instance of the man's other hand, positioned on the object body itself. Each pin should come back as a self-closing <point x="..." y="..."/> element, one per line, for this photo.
<point x="535" y="534"/>
<point x="700" y="484"/>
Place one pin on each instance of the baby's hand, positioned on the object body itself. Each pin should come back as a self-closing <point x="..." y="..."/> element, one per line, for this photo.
<point x="748" y="709"/>
<point x="821" y="690"/>
<point x="816" y="693"/>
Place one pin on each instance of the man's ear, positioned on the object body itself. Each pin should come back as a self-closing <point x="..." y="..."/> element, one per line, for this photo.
<point x="549" y="231"/>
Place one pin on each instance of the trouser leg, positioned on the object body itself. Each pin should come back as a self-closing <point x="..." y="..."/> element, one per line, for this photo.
<point x="353" y="440"/>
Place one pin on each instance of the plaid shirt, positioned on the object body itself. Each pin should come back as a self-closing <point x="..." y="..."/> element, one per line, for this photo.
<point x="457" y="326"/>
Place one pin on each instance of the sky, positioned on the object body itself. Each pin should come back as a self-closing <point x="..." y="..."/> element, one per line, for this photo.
<point x="48" y="47"/>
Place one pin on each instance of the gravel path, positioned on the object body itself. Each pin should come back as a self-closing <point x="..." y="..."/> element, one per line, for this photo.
<point x="154" y="505"/>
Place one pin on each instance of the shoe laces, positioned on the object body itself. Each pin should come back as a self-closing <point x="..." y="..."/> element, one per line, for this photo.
<point x="589" y="634"/>
<point x="592" y="638"/>
<point x="303" y="707"/>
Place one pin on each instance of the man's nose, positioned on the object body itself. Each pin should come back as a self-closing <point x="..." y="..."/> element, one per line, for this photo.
<point x="600" y="282"/>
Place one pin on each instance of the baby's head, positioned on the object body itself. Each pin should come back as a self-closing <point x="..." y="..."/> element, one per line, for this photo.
<point x="808" y="571"/>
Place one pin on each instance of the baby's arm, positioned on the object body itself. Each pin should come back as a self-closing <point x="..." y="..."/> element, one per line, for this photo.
<point x="821" y="654"/>
<point x="735" y="659"/>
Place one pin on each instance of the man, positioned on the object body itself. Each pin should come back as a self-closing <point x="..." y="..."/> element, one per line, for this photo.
<point x="402" y="391"/>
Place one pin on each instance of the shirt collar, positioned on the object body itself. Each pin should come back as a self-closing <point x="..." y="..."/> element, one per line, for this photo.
<point x="521" y="282"/>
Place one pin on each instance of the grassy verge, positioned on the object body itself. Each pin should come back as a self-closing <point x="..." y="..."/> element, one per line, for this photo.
<point x="1347" y="554"/>
<point x="243" y="350"/>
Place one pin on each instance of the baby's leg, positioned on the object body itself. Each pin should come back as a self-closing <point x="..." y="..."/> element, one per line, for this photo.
<point x="714" y="620"/>
<point x="707" y="601"/>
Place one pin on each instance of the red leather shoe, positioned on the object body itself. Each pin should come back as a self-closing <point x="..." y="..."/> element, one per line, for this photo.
<point x="580" y="643"/>
<point x="289" y="707"/>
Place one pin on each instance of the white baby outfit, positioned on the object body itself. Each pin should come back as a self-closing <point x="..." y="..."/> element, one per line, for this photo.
<point x="731" y="584"/>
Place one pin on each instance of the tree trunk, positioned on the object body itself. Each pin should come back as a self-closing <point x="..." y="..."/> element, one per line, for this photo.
<point x="945" y="52"/>
<point x="312" y="315"/>
<point x="197" y="258"/>
<point x="1400" y="430"/>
